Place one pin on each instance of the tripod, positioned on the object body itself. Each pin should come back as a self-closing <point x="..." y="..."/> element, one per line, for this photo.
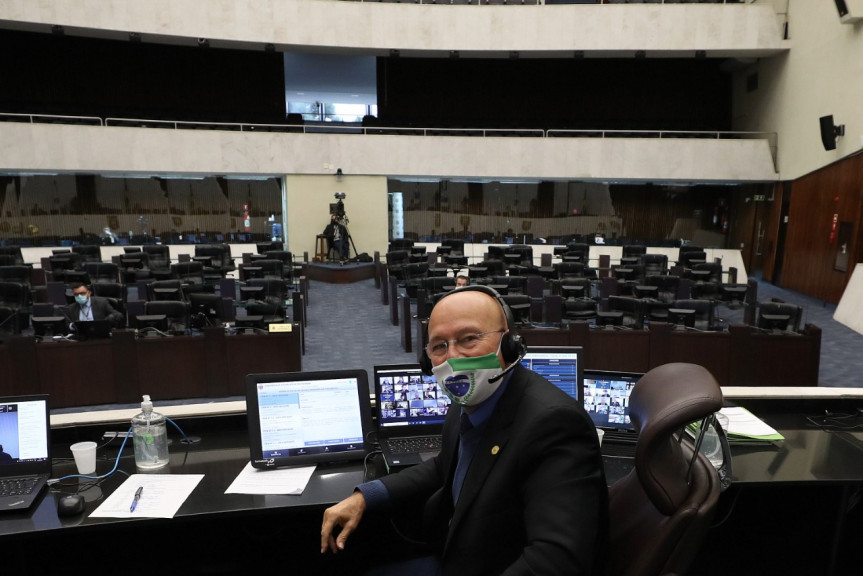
<point x="344" y="222"/>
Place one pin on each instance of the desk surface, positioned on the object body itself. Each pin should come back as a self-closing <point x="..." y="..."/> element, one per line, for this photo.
<point x="219" y="456"/>
<point x="808" y="455"/>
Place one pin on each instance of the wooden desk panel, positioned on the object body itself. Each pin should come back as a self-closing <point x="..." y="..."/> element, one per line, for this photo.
<point x="92" y="384"/>
<point x="709" y="349"/>
<point x="121" y="369"/>
<point x="257" y="354"/>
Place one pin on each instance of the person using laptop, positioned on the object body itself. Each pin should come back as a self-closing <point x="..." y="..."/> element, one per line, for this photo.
<point x="87" y="307"/>
<point x="518" y="485"/>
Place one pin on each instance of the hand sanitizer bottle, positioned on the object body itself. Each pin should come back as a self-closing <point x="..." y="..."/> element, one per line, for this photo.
<point x="150" y="438"/>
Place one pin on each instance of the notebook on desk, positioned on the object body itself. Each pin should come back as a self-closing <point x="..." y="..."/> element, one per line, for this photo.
<point x="25" y="457"/>
<point x="606" y="400"/>
<point x="411" y="413"/>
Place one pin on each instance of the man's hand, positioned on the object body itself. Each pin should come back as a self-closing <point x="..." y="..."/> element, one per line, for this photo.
<point x="346" y="514"/>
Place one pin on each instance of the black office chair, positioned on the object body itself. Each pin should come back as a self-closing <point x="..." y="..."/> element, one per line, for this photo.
<point x="653" y="264"/>
<point x="177" y="312"/>
<point x="661" y="511"/>
<point x="88" y="253"/>
<point x="272" y="313"/>
<point x="160" y="260"/>
<point x="631" y="253"/>
<point x="102" y="272"/>
<point x="703" y="311"/>
<point x="191" y="275"/>
<point x="165" y="290"/>
<point x="632" y="309"/>
<point x="272" y="290"/>
<point x="779" y="317"/>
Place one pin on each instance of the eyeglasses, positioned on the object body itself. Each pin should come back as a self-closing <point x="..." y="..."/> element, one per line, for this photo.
<point x="464" y="344"/>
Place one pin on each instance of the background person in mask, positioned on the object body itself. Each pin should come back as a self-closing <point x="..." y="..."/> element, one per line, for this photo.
<point x="520" y="489"/>
<point x="89" y="307"/>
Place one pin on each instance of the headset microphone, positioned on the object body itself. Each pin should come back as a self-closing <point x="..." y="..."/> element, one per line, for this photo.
<point x="509" y="368"/>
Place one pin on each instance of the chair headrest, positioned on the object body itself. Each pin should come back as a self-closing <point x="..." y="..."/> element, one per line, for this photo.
<point x="664" y="401"/>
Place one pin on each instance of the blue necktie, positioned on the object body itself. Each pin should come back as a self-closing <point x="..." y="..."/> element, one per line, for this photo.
<point x="465" y="454"/>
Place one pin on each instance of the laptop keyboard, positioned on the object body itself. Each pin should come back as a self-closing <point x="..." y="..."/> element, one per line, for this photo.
<point x="417" y="444"/>
<point x="619" y="449"/>
<point x="17" y="486"/>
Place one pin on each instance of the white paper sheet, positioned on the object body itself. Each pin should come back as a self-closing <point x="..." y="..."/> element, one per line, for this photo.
<point x="161" y="496"/>
<point x="290" y="480"/>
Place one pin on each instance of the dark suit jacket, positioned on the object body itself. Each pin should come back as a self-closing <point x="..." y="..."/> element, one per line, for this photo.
<point x="534" y="500"/>
<point x="102" y="310"/>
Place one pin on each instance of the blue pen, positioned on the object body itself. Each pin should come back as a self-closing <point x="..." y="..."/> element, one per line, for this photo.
<point x="137" y="497"/>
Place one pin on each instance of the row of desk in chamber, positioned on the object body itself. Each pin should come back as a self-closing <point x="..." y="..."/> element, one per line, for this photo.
<point x="120" y="369"/>
<point x="740" y="356"/>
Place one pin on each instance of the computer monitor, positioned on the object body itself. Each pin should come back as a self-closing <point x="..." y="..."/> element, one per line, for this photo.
<point x="408" y="398"/>
<point x="612" y="318"/>
<point x="681" y="317"/>
<point x="606" y="397"/>
<point x="151" y="322"/>
<point x="49" y="326"/>
<point x="303" y="418"/>
<point x="250" y="324"/>
<point x="92" y="329"/>
<point x="560" y="365"/>
<point x="205" y="309"/>
<point x="774" y="322"/>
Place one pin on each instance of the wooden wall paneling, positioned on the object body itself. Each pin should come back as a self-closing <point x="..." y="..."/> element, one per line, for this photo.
<point x="807" y="264"/>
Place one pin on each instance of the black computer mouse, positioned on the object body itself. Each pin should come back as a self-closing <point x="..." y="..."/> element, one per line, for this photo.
<point x="70" y="505"/>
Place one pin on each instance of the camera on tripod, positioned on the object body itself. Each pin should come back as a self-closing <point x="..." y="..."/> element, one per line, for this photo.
<point x="339" y="207"/>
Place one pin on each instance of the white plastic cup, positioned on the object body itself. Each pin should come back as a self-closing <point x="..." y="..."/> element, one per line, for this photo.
<point x="85" y="456"/>
<point x="600" y="433"/>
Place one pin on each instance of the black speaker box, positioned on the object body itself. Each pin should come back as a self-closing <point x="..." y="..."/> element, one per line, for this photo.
<point x="828" y="132"/>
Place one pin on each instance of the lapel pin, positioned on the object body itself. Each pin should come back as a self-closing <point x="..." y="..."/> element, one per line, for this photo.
<point x="495" y="450"/>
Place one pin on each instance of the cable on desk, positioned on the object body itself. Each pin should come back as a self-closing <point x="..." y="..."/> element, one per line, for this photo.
<point x="186" y="439"/>
<point x="97" y="479"/>
<point x="835" y="421"/>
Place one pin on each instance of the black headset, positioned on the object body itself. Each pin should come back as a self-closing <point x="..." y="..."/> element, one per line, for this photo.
<point x="512" y="347"/>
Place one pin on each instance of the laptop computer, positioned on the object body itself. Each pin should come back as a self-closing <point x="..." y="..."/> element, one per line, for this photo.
<point x="87" y="329"/>
<point x="606" y="400"/>
<point x="25" y="450"/>
<point x="559" y="365"/>
<point x="305" y="418"/>
<point x="411" y="413"/>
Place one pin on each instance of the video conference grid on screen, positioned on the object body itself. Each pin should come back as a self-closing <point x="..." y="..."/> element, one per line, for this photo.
<point x="301" y="418"/>
<point x="410" y="398"/>
<point x="23" y="430"/>
<point x="606" y="399"/>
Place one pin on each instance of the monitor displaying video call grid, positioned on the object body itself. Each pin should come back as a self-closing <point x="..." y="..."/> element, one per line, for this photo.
<point x="606" y="398"/>
<point x="406" y="396"/>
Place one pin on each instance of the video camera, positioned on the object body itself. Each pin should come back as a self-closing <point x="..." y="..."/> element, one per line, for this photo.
<point x="339" y="207"/>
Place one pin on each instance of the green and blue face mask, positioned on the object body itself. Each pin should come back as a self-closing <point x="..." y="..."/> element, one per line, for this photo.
<point x="466" y="380"/>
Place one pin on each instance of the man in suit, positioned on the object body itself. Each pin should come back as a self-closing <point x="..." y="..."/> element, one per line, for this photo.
<point x="520" y="489"/>
<point x="89" y="307"/>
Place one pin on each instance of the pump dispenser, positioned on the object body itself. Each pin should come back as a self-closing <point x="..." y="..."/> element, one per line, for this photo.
<point x="150" y="438"/>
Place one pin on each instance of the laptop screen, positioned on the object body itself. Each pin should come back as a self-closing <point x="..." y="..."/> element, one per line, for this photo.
<point x="302" y="418"/>
<point x="409" y="402"/>
<point x="24" y="435"/>
<point x="606" y="398"/>
<point x="559" y="365"/>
